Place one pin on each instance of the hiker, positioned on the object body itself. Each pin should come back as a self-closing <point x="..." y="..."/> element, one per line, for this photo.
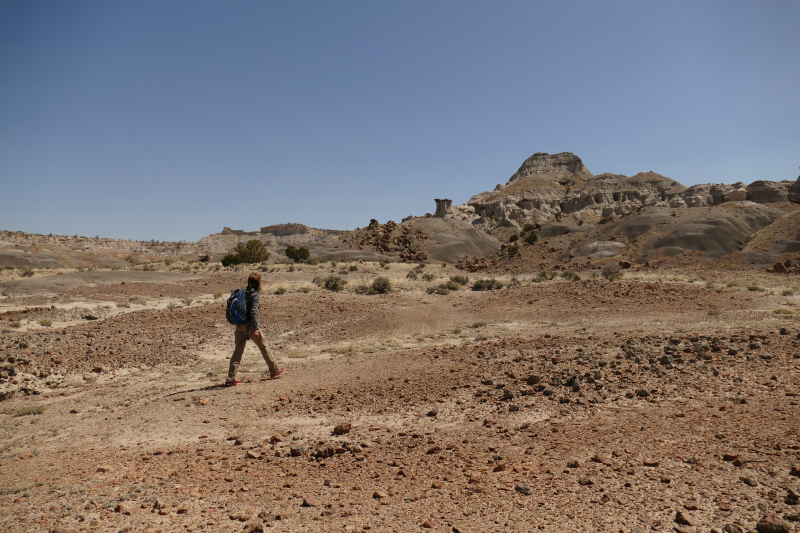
<point x="250" y="329"/>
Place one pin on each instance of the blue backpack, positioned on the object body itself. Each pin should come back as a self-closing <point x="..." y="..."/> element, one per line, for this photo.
<point x="236" y="311"/>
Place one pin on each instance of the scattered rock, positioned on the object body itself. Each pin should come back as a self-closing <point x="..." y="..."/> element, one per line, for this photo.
<point x="342" y="429"/>
<point x="685" y="518"/>
<point x="771" y="523"/>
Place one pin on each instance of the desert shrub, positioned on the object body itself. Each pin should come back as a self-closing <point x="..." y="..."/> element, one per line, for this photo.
<point x="452" y="285"/>
<point x="15" y="324"/>
<point x="782" y="312"/>
<point x="528" y="228"/>
<point x="298" y="254"/>
<point x="486" y="285"/>
<point x="334" y="283"/>
<point x="611" y="272"/>
<point x="606" y="220"/>
<point x="168" y="262"/>
<point x="230" y="260"/>
<point x="476" y="325"/>
<point x="439" y="289"/>
<point x="292" y="268"/>
<point x="412" y="275"/>
<point x="254" y="251"/>
<point x="755" y="288"/>
<point x="304" y="290"/>
<point x="29" y="410"/>
<point x="714" y="312"/>
<point x="384" y="263"/>
<point x="787" y="292"/>
<point x="545" y="275"/>
<point x="45" y="323"/>
<point x="513" y="238"/>
<point x="381" y="285"/>
<point x="513" y="249"/>
<point x="280" y="290"/>
<point x="217" y="295"/>
<point x="123" y="304"/>
<point x="461" y="280"/>
<point x="531" y="238"/>
<point x="429" y="276"/>
<point x="26" y="273"/>
<point x="352" y="268"/>
<point x="570" y="275"/>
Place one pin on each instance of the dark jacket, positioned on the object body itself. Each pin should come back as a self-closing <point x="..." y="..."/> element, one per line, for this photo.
<point x="252" y="299"/>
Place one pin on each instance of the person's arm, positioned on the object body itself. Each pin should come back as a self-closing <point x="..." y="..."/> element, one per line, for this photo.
<point x="252" y="313"/>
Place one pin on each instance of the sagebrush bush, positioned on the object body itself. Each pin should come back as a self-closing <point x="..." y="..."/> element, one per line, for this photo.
<point x="486" y="285"/>
<point x="606" y="220"/>
<point x="513" y="238"/>
<point x="280" y="290"/>
<point x="412" y="275"/>
<point x="381" y="285"/>
<point x="45" y="323"/>
<point x="531" y="238"/>
<point x="461" y="280"/>
<point x="352" y="268"/>
<point x="513" y="249"/>
<point x="428" y="276"/>
<point x="570" y="275"/>
<point x="545" y="275"/>
<point x="26" y="273"/>
<point x="334" y="283"/>
<point x="439" y="289"/>
<point x="611" y="272"/>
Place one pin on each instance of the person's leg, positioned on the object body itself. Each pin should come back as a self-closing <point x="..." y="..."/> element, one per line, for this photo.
<point x="240" y="338"/>
<point x="265" y="353"/>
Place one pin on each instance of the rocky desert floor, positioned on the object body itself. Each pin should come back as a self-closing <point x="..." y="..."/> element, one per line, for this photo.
<point x="665" y="401"/>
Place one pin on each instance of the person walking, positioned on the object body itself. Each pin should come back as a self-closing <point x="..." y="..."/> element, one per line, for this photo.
<point x="251" y="330"/>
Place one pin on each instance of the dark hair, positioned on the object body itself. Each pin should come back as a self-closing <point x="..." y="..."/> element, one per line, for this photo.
<point x="254" y="282"/>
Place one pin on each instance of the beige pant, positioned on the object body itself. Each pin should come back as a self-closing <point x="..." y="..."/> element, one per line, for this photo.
<point x="240" y="336"/>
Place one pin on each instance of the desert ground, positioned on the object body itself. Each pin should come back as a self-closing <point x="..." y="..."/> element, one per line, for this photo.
<point x="663" y="401"/>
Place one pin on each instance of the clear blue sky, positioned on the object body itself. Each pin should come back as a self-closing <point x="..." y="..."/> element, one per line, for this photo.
<point x="169" y="120"/>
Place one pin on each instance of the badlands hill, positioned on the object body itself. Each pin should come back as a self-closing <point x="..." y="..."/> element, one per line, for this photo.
<point x="634" y="218"/>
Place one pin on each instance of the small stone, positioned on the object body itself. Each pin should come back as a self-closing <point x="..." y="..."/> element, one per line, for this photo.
<point x="297" y="451"/>
<point x="533" y="379"/>
<point x="428" y="524"/>
<point x="651" y="463"/>
<point x="572" y="464"/>
<point x="730" y="528"/>
<point x="642" y="393"/>
<point x="524" y="489"/>
<point x="254" y="525"/>
<point x="74" y="411"/>
<point x="771" y="523"/>
<point x="730" y="457"/>
<point x="682" y="529"/>
<point x="791" y="498"/>
<point x="253" y="454"/>
<point x="432" y="413"/>
<point x="310" y="501"/>
<point x="103" y="468"/>
<point x="342" y="429"/>
<point x="90" y="316"/>
<point x="206" y="421"/>
<point x="686" y="519"/>
<point x="585" y="481"/>
<point x="795" y="471"/>
<point x="203" y="401"/>
<point x="97" y="368"/>
<point x="380" y="494"/>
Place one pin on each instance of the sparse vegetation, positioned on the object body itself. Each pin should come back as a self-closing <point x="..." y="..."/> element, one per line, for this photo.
<point x="217" y="295"/>
<point x="486" y="285"/>
<point x="381" y="285"/>
<point x="513" y="249"/>
<point x="26" y="273"/>
<point x="298" y="255"/>
<point x="714" y="312"/>
<point x="460" y="280"/>
<point x="439" y="289"/>
<point x="46" y="323"/>
<point x="544" y="275"/>
<point x="428" y="276"/>
<point x="755" y="288"/>
<point x="334" y="283"/>
<point x="570" y="275"/>
<point x="15" y="324"/>
<point x="611" y="272"/>
<point x="412" y="275"/>
<point x="787" y="292"/>
<point x="513" y="238"/>
<point x="782" y="312"/>
<point x="531" y="238"/>
<point x="280" y="290"/>
<point x="606" y="220"/>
